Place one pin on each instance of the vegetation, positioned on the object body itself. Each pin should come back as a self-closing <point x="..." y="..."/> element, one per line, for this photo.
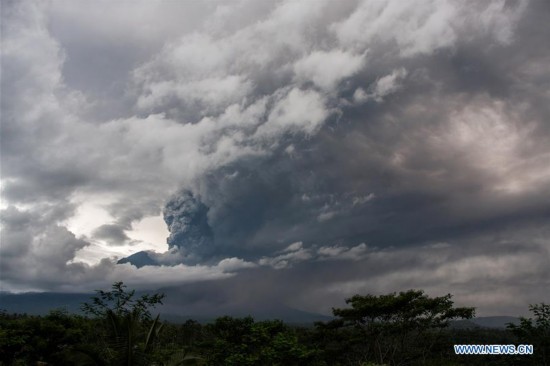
<point x="129" y="333"/>
<point x="390" y="325"/>
<point x="536" y="332"/>
<point x="406" y="328"/>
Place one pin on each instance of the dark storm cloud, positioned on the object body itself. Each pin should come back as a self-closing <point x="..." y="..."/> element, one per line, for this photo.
<point x="463" y="269"/>
<point x="371" y="146"/>
<point x="111" y="233"/>
<point x="443" y="158"/>
<point x="187" y="221"/>
<point x="31" y="239"/>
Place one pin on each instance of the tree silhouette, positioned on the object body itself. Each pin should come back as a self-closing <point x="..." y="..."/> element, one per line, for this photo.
<point x="130" y="330"/>
<point x="535" y="331"/>
<point x="392" y="323"/>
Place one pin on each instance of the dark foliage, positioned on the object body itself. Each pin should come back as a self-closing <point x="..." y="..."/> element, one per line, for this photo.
<point x="392" y="324"/>
<point x="536" y="331"/>
<point x="408" y="328"/>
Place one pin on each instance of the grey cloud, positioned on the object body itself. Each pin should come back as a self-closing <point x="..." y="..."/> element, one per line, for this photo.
<point x="187" y="220"/>
<point x="384" y="86"/>
<point x="35" y="245"/>
<point x="112" y="233"/>
<point x="495" y="275"/>
<point x="99" y="59"/>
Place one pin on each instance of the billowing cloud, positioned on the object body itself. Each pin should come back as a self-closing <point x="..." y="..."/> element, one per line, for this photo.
<point x="187" y="222"/>
<point x="111" y="233"/>
<point x="327" y="69"/>
<point x="384" y="86"/>
<point x="326" y="146"/>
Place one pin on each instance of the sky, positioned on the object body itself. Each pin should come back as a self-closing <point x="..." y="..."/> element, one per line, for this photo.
<point x="294" y="151"/>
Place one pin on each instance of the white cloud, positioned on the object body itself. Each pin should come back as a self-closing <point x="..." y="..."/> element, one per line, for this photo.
<point x="296" y="253"/>
<point x="361" y="200"/>
<point x="355" y="253"/>
<point x="327" y="215"/>
<point x="388" y="84"/>
<point x="327" y="69"/>
<point x="233" y="264"/>
<point x="296" y="112"/>
<point x="422" y="28"/>
<point x="384" y="86"/>
<point x="288" y="258"/>
<point x="415" y="28"/>
<point x="294" y="247"/>
<point x="500" y="19"/>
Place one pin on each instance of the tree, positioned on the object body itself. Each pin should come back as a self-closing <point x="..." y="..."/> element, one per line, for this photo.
<point x="130" y="330"/>
<point x="244" y="342"/>
<point x="392" y="324"/>
<point x="26" y="339"/>
<point x="535" y="332"/>
<point x="121" y="302"/>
